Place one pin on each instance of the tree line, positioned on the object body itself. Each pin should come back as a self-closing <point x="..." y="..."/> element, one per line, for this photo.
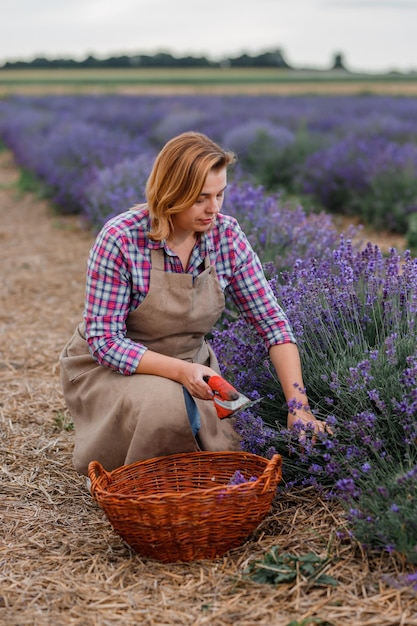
<point x="273" y="58"/>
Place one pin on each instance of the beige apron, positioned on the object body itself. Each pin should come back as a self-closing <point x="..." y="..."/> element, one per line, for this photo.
<point x="122" y="419"/>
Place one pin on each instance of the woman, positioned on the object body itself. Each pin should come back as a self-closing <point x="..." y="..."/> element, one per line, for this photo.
<point x="133" y="373"/>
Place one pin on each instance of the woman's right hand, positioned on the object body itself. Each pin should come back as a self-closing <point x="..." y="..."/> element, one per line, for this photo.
<point x="192" y="380"/>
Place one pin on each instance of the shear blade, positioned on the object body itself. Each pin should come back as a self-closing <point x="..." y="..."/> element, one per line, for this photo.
<point x="242" y="402"/>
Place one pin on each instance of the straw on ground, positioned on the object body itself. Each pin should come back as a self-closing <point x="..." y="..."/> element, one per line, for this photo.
<point x="61" y="563"/>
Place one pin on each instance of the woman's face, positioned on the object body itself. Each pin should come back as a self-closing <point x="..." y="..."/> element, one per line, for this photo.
<point x="202" y="215"/>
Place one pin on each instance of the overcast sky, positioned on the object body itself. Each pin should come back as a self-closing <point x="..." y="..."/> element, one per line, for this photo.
<point x="373" y="35"/>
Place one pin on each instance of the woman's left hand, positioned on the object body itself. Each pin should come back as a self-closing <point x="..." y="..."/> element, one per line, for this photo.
<point x="305" y="416"/>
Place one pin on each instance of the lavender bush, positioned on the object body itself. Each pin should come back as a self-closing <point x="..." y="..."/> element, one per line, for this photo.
<point x="116" y="188"/>
<point x="280" y="231"/>
<point x="74" y="151"/>
<point x="391" y="199"/>
<point x="354" y="315"/>
<point x="260" y="146"/>
<point x="336" y="175"/>
<point x="384" y="514"/>
<point x="176" y="123"/>
<point x="370" y="176"/>
<point x="269" y="154"/>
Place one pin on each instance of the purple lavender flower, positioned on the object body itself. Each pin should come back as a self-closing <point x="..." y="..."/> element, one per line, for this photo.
<point x="238" y="478"/>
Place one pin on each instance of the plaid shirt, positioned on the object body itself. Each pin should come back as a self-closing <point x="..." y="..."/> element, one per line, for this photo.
<point x="118" y="278"/>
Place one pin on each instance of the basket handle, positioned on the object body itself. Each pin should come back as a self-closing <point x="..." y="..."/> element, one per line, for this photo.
<point x="96" y="471"/>
<point x="271" y="471"/>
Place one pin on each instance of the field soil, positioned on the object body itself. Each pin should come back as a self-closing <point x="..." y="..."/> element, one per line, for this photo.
<point x="61" y="562"/>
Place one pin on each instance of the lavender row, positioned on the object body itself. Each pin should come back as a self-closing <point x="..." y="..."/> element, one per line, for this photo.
<point x="354" y="315"/>
<point x="351" y="155"/>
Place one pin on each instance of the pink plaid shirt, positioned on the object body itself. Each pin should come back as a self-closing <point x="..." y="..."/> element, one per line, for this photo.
<point x="118" y="279"/>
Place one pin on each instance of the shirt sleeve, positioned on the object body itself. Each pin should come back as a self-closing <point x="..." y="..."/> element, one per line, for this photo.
<point x="252" y="294"/>
<point x="108" y="297"/>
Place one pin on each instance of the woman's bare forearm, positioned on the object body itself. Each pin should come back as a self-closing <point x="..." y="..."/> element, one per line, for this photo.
<point x="190" y="375"/>
<point x="286" y="361"/>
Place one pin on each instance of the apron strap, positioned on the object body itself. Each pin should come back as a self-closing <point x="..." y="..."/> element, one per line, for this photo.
<point x="157" y="259"/>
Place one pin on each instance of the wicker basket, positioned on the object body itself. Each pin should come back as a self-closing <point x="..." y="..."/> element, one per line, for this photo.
<point x="181" y="507"/>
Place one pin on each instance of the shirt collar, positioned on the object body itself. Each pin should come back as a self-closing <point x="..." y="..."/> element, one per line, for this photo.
<point x="155" y="245"/>
<point x="206" y="244"/>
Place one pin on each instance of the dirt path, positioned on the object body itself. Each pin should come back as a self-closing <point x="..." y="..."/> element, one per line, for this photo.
<point x="42" y="258"/>
<point x="60" y="562"/>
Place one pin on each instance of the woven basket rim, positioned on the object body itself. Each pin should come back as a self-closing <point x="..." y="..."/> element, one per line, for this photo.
<point x="102" y="492"/>
<point x="243" y="486"/>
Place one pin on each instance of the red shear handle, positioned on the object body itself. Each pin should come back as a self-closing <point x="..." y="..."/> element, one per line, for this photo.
<point x="221" y="387"/>
<point x="226" y="398"/>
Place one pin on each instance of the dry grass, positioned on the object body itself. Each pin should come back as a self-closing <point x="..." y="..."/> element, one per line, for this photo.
<point x="60" y="562"/>
<point x="211" y="81"/>
<point x="256" y="89"/>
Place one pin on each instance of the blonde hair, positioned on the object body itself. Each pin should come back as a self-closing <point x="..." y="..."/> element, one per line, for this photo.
<point x="178" y="176"/>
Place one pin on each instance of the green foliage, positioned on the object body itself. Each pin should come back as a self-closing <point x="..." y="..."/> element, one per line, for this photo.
<point x="283" y="567"/>
<point x="412" y="233"/>
<point x="391" y="197"/>
<point x="262" y="159"/>
<point x="386" y="511"/>
<point x="276" y="168"/>
<point x="283" y="168"/>
<point x="63" y="422"/>
<point x="28" y="182"/>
